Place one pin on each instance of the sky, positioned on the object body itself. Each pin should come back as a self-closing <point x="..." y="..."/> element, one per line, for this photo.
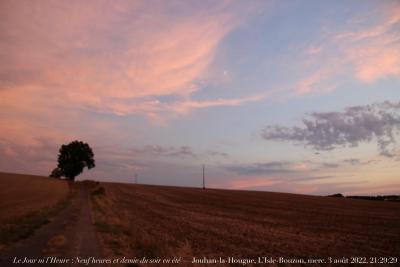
<point x="289" y="96"/>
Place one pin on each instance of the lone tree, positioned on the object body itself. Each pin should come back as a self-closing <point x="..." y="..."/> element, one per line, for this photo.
<point x="56" y="173"/>
<point x="73" y="158"/>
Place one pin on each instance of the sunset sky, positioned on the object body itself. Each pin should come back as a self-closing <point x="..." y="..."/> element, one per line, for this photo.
<point x="289" y="96"/>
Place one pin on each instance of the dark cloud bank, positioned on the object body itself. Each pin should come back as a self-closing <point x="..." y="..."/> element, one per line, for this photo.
<point x="289" y="167"/>
<point x="379" y="122"/>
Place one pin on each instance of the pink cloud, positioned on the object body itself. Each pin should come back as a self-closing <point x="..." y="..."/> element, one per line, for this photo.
<point x="391" y="16"/>
<point x="314" y="50"/>
<point x="367" y="54"/>
<point x="374" y="52"/>
<point x="373" y="63"/>
<point x="159" y="112"/>
<point x="61" y="60"/>
<point x="316" y="82"/>
<point x="185" y="106"/>
<point x="109" y="56"/>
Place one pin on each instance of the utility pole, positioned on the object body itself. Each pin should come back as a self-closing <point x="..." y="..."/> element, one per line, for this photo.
<point x="204" y="178"/>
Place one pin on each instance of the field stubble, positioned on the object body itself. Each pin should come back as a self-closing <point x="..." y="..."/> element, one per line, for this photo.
<point x="155" y="221"/>
<point x="26" y="203"/>
<point x="22" y="194"/>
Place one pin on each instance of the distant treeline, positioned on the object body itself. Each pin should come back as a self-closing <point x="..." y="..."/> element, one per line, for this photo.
<point x="375" y="198"/>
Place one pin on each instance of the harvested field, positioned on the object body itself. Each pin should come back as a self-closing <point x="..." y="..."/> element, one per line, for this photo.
<point x="23" y="194"/>
<point x="155" y="221"/>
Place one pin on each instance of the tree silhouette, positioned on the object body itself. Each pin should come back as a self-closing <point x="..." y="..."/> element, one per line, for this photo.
<point x="56" y="173"/>
<point x="74" y="157"/>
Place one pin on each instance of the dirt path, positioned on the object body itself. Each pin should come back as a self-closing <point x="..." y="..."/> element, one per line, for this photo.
<point x="69" y="235"/>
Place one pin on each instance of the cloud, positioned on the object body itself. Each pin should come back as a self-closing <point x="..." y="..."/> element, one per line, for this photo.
<point x="25" y="158"/>
<point x="188" y="105"/>
<point x="357" y="162"/>
<point x="157" y="110"/>
<point x="314" y="50"/>
<point x="268" y="168"/>
<point x="374" y="51"/>
<point x="378" y="64"/>
<point x="283" y="168"/>
<point x="385" y="25"/>
<point x="315" y="82"/>
<point x="171" y="151"/>
<point x="279" y="184"/>
<point x="352" y="161"/>
<point x="379" y="122"/>
<point x="217" y="154"/>
<point x="330" y="165"/>
<point x="114" y="57"/>
<point x="313" y="178"/>
<point x="366" y="49"/>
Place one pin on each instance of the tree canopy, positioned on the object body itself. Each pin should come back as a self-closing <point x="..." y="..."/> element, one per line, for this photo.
<point x="73" y="158"/>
